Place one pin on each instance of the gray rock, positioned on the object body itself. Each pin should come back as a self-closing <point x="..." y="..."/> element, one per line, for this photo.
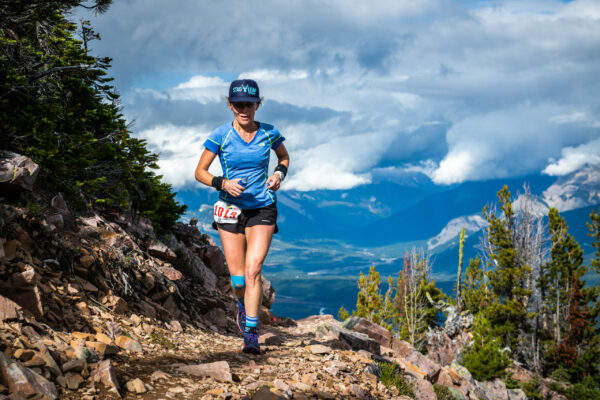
<point x="431" y="368"/>
<point x="492" y="390"/>
<point x="160" y="250"/>
<point x="371" y="329"/>
<point x="105" y="373"/>
<point x="268" y="292"/>
<point x="17" y="172"/>
<point x="60" y="205"/>
<point x="218" y="370"/>
<point x="356" y="340"/>
<point x="24" y="381"/>
<point x="516" y="394"/>
<point x="423" y="390"/>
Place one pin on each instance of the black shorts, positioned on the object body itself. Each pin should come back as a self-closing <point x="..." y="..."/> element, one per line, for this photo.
<point x="255" y="216"/>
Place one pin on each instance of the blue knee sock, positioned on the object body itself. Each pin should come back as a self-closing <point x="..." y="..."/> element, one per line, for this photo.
<point x="251" y="322"/>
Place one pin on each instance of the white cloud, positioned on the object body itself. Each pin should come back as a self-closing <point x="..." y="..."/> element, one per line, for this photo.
<point x="504" y="142"/>
<point x="181" y="148"/>
<point x="575" y="116"/>
<point x="574" y="158"/>
<point x="513" y="82"/>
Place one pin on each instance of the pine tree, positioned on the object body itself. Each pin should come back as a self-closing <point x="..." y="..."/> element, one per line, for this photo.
<point x="369" y="299"/>
<point x="58" y="107"/>
<point x="474" y="292"/>
<point x="485" y="358"/>
<point x="573" y="307"/>
<point x="508" y="277"/>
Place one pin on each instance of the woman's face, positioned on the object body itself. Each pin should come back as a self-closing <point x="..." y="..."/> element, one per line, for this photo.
<point x="243" y="112"/>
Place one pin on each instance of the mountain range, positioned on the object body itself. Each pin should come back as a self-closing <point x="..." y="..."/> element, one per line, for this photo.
<point x="327" y="236"/>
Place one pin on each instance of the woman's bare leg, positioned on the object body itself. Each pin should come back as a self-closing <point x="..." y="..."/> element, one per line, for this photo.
<point x="258" y="238"/>
<point x="234" y="247"/>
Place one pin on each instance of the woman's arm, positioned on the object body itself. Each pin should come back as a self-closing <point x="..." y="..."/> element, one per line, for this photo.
<point x="202" y="175"/>
<point x="283" y="158"/>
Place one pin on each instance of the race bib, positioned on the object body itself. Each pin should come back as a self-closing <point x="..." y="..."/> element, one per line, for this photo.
<point x="226" y="213"/>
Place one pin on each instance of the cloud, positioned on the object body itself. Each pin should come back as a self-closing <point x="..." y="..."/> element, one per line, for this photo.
<point x="513" y="141"/>
<point x="575" y="158"/>
<point x="179" y="149"/>
<point x="454" y="90"/>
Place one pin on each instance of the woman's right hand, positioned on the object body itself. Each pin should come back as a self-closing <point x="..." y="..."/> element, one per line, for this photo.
<point x="233" y="187"/>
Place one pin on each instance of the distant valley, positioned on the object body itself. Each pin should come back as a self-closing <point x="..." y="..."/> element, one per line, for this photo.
<point x="327" y="237"/>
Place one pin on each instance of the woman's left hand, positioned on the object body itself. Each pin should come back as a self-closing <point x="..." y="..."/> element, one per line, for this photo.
<point x="273" y="182"/>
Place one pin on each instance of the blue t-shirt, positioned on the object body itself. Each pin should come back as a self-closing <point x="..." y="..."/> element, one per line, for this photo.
<point x="246" y="160"/>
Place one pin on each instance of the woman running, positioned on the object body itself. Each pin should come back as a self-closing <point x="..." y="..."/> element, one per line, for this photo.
<point x="246" y="213"/>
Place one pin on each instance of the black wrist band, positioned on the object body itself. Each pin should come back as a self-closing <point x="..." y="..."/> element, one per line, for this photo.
<point x="217" y="182"/>
<point x="281" y="168"/>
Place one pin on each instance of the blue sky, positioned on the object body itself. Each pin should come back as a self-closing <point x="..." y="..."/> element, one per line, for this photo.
<point x="456" y="90"/>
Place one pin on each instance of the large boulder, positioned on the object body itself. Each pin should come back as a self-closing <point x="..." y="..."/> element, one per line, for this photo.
<point x="17" y="172"/>
<point x="268" y="292"/>
<point x="9" y="310"/>
<point x="431" y="368"/>
<point x="492" y="390"/>
<point x="440" y="348"/>
<point x="371" y="329"/>
<point x="356" y="340"/>
<point x="22" y="381"/>
<point x="160" y="250"/>
<point x="28" y="297"/>
<point x="402" y="348"/>
<point x="424" y="390"/>
<point x="193" y="267"/>
<point x="214" y="259"/>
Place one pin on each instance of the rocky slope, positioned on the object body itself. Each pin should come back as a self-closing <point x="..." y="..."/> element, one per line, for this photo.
<point x="100" y="306"/>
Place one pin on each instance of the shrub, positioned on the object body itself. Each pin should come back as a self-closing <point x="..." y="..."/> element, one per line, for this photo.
<point x="158" y="337"/>
<point x="533" y="389"/>
<point x="443" y="392"/>
<point x="587" y="389"/>
<point x="391" y="376"/>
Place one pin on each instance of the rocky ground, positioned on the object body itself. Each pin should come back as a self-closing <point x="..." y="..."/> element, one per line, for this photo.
<point x="99" y="305"/>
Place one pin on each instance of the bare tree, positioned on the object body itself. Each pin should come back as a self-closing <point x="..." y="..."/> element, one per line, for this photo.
<point x="415" y="275"/>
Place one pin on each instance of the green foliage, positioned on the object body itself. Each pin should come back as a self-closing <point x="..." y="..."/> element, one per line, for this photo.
<point x="508" y="280"/>
<point x="408" y="306"/>
<point x="511" y="383"/>
<point x="369" y="300"/>
<point x="572" y="343"/>
<point x="485" y="358"/>
<point x="443" y="392"/>
<point x="158" y="337"/>
<point x="474" y="292"/>
<point x="58" y="107"/>
<point x="587" y="389"/>
<point x="533" y="389"/>
<point x="391" y="376"/>
<point x="415" y="300"/>
<point x="32" y="209"/>
<point x="343" y="314"/>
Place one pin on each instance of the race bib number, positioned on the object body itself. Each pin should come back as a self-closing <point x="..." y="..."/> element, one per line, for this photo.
<point x="226" y="213"/>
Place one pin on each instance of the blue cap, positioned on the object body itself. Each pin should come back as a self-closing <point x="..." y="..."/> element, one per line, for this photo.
<point x="244" y="90"/>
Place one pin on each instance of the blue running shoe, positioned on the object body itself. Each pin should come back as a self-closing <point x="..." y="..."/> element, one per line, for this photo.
<point x="241" y="317"/>
<point x="251" y="345"/>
